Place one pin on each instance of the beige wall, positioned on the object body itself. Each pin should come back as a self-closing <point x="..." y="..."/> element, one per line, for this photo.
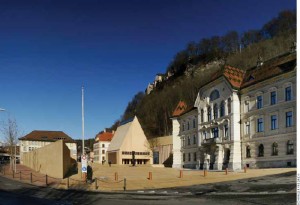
<point x="53" y="159"/>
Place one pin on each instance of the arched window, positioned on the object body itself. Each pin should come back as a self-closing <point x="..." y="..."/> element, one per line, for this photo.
<point x="222" y="109"/>
<point x="290" y="147"/>
<point x="261" y="150"/>
<point x="229" y="105"/>
<point x="248" y="153"/>
<point x="209" y="114"/>
<point x="215" y="111"/>
<point x="274" y="149"/>
<point x="214" y="95"/>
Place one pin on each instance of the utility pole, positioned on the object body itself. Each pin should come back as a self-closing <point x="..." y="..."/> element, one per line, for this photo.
<point x="82" y="149"/>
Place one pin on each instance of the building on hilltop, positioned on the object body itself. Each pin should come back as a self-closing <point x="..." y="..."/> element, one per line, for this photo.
<point x="38" y="138"/>
<point x="102" y="142"/>
<point x="243" y="118"/>
<point x="129" y="139"/>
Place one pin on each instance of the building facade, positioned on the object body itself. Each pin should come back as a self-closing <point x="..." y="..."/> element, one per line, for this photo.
<point x="37" y="139"/>
<point x="102" y="142"/>
<point x="244" y="118"/>
<point x="130" y="145"/>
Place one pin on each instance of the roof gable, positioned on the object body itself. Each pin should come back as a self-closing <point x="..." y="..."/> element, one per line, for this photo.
<point x="48" y="136"/>
<point x="129" y="136"/>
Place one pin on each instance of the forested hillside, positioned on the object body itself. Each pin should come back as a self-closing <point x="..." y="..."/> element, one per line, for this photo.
<point x="193" y="66"/>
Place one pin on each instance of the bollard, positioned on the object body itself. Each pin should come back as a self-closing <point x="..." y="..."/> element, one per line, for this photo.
<point x="31" y="178"/>
<point x="96" y="186"/>
<point x="68" y="183"/>
<point x="181" y="174"/>
<point x="226" y="171"/>
<point x="150" y="176"/>
<point x="245" y="169"/>
<point x="20" y="176"/>
<point x="46" y="180"/>
<point x="116" y="176"/>
<point x="124" y="184"/>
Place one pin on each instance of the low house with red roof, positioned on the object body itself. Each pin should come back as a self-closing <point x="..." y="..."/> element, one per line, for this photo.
<point x="40" y="138"/>
<point x="102" y="142"/>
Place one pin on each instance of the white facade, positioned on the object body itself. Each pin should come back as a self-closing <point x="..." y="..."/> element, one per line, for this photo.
<point x="218" y="114"/>
<point x="100" y="149"/>
<point x="244" y="119"/>
<point x="277" y="138"/>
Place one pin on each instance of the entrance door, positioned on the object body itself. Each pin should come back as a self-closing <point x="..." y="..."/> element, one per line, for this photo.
<point x="155" y="157"/>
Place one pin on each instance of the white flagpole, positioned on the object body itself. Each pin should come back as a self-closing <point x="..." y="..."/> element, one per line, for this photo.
<point x="83" y="150"/>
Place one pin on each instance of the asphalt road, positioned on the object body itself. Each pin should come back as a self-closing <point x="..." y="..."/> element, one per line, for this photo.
<point x="15" y="193"/>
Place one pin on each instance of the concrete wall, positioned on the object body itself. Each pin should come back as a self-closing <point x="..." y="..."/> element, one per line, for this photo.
<point x="53" y="159"/>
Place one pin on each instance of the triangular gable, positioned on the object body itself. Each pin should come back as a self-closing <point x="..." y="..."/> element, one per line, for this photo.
<point x="129" y="137"/>
<point x="119" y="137"/>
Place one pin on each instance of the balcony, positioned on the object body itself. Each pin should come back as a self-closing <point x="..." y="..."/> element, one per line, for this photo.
<point x="211" y="141"/>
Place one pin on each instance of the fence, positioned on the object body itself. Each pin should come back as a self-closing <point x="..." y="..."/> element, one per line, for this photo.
<point x="111" y="182"/>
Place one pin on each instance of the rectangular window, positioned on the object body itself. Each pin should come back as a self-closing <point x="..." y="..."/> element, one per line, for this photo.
<point x="204" y="134"/>
<point x="273" y="98"/>
<point x="259" y="102"/>
<point x="188" y="126"/>
<point x="103" y="145"/>
<point x="215" y="132"/>
<point x="247" y="130"/>
<point x="195" y="156"/>
<point x="183" y="141"/>
<point x="289" y="118"/>
<point x="273" y="122"/>
<point x="194" y="123"/>
<point x="288" y="93"/>
<point x="189" y="155"/>
<point x="189" y="140"/>
<point x="260" y="125"/>
<point x="194" y="139"/>
<point x="182" y="126"/>
<point x="226" y="131"/>
<point x="183" y="157"/>
<point x="103" y="151"/>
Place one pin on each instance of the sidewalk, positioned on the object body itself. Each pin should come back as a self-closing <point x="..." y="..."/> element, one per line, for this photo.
<point x="137" y="178"/>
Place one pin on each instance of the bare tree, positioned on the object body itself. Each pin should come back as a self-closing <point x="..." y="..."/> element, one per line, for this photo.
<point x="11" y="132"/>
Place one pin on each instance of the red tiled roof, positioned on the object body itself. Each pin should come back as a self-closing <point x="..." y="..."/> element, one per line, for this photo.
<point x="105" y="136"/>
<point x="233" y="75"/>
<point x="181" y="109"/>
<point x="270" y="68"/>
<point x="48" y="136"/>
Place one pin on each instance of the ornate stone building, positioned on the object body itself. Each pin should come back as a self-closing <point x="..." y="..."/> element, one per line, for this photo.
<point x="244" y="118"/>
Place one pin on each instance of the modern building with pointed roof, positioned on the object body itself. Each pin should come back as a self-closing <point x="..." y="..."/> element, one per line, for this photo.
<point x="129" y="138"/>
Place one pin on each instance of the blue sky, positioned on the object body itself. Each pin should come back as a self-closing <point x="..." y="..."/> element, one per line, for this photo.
<point x="49" y="48"/>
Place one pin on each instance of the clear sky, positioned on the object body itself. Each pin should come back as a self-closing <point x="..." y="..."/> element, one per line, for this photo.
<point x="49" y="48"/>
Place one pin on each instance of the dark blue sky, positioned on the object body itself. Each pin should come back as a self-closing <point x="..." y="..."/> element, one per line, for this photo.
<point x="48" y="49"/>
